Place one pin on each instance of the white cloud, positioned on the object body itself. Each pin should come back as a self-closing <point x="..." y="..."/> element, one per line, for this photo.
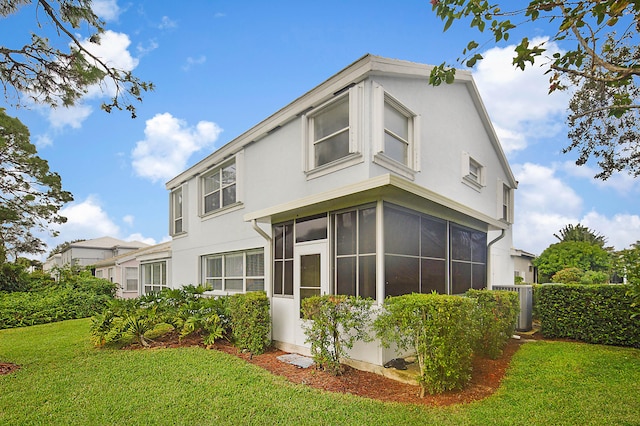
<point x="194" y="61"/>
<point x="139" y="237"/>
<point x="149" y="47"/>
<point x="518" y="101"/>
<point x="621" y="230"/>
<point x="86" y="219"/>
<point x="622" y="183"/>
<point x="168" y="144"/>
<point x="113" y="52"/>
<point x="128" y="219"/>
<point x="167" y="23"/>
<point x="106" y="9"/>
<point x="72" y="116"/>
<point x="544" y="204"/>
<point x="43" y="141"/>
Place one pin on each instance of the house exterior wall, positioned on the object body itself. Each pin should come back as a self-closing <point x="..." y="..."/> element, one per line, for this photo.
<point x="272" y="176"/>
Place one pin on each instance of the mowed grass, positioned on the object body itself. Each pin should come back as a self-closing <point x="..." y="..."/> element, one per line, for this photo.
<point x="64" y="380"/>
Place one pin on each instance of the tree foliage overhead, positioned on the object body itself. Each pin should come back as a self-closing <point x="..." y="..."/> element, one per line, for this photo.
<point x="53" y="76"/>
<point x="602" y="65"/>
<point x="580" y="233"/>
<point x="571" y="254"/>
<point x="30" y="194"/>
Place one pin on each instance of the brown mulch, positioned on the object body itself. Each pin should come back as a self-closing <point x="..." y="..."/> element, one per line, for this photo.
<point x="7" y="367"/>
<point x="486" y="377"/>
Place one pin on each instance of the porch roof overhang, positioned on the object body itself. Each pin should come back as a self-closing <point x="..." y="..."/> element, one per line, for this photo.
<point x="368" y="190"/>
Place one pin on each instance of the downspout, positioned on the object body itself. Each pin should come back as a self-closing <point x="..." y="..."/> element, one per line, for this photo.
<point x="260" y="231"/>
<point x="489" y="266"/>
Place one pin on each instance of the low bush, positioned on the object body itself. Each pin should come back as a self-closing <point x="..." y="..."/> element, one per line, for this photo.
<point x="567" y="276"/>
<point x="335" y="323"/>
<point x="439" y="329"/>
<point x="496" y="316"/>
<point x="591" y="313"/>
<point x="250" y="321"/>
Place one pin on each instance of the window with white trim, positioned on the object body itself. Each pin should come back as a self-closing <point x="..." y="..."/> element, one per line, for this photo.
<point x="154" y="277"/>
<point x="177" y="205"/>
<point x="395" y="134"/>
<point x="234" y="272"/>
<point x="473" y="172"/>
<point x="507" y="203"/>
<point x="329" y="132"/>
<point x="219" y="188"/>
<point x="130" y="279"/>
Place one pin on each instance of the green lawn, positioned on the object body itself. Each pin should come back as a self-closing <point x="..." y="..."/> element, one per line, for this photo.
<point x="65" y="381"/>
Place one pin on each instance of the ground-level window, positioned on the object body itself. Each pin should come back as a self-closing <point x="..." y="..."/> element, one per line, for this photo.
<point x="130" y="279"/>
<point x="236" y="272"/>
<point x="468" y="259"/>
<point x="415" y="253"/>
<point x="283" y="259"/>
<point x="421" y="252"/>
<point x="154" y="277"/>
<point x="355" y="252"/>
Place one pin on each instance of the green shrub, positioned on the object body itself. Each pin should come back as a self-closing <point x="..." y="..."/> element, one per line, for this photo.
<point x="591" y="313"/>
<point x="335" y="323"/>
<point x="535" y="290"/>
<point x="496" y="317"/>
<point x="250" y="321"/>
<point x="439" y="329"/>
<point x="567" y="276"/>
<point x="594" y="277"/>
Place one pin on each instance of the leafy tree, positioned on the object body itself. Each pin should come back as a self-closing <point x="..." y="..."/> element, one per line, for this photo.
<point x="571" y="254"/>
<point x="601" y="61"/>
<point x="30" y="194"/>
<point x="580" y="233"/>
<point x="627" y="264"/>
<point x="53" y="76"/>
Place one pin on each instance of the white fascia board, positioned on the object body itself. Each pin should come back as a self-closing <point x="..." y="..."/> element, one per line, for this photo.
<point x="370" y="184"/>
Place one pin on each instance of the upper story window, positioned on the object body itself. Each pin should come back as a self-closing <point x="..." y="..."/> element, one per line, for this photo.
<point x="177" y="223"/>
<point x="219" y="188"/>
<point x="506" y="202"/>
<point x="473" y="173"/>
<point x="330" y="133"/>
<point x="396" y="145"/>
<point x="330" y="127"/>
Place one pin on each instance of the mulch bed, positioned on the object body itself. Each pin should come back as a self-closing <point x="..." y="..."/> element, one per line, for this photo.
<point x="486" y="377"/>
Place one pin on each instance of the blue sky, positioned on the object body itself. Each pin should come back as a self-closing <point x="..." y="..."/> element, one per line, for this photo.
<point x="221" y="67"/>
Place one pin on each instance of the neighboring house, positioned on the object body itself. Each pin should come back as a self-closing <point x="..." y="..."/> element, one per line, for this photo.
<point x="374" y="183"/>
<point x="89" y="252"/>
<point x="138" y="272"/>
<point x="523" y="266"/>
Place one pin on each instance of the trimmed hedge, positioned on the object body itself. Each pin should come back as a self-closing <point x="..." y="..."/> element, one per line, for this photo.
<point x="496" y="318"/>
<point x="438" y="328"/>
<point x="591" y="313"/>
<point x="20" y="309"/>
<point x="250" y="321"/>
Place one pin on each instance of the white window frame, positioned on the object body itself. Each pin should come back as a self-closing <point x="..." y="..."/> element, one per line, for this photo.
<point x="411" y="166"/>
<point x="473" y="172"/>
<point x="218" y="170"/>
<point x="127" y="279"/>
<point x="177" y="217"/>
<point x="208" y="279"/>
<point x="504" y="201"/>
<point x="157" y="282"/>
<point x="354" y="156"/>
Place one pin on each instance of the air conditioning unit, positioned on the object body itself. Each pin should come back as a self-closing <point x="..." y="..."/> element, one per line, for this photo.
<point x="525" y="292"/>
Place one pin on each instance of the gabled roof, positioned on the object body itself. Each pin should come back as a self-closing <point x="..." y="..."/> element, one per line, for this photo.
<point x="108" y="243"/>
<point x="144" y="251"/>
<point x="368" y="65"/>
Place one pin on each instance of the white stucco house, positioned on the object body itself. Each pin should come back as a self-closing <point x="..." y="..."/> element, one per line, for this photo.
<point x="139" y="271"/>
<point x="88" y="252"/>
<point x="373" y="183"/>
